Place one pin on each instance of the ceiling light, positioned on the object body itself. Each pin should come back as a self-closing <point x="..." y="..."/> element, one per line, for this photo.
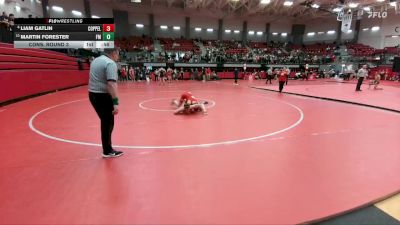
<point x="284" y="34"/>
<point x="265" y="1"/>
<point x="375" y="28"/>
<point x="311" y="34"/>
<point x="330" y="32"/>
<point x="349" y="31"/>
<point x="392" y="3"/>
<point x="139" y="25"/>
<point x="76" y="13"/>
<point x="259" y="32"/>
<point x="57" y="8"/>
<point x="236" y="31"/>
<point x="288" y="3"/>
<point x="164" y="27"/>
<point x="176" y="27"/>
<point x="337" y="9"/>
<point x="251" y="32"/>
<point x="353" y="5"/>
<point x="274" y="33"/>
<point x="365" y="29"/>
<point x="95" y="17"/>
<point x="395" y="36"/>
<point x="315" y="6"/>
<point x="210" y="30"/>
<point x="197" y="29"/>
<point x="18" y="8"/>
<point x="38" y="1"/>
<point x="380" y="0"/>
<point x="227" y="31"/>
<point x="136" y="1"/>
<point x="321" y="32"/>
<point x="367" y="8"/>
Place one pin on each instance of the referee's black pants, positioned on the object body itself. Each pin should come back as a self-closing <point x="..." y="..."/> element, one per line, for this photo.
<point x="269" y="78"/>
<point x="360" y="80"/>
<point x="281" y="84"/>
<point x="103" y="104"/>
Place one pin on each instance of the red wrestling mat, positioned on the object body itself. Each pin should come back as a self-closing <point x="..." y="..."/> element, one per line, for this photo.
<point x="258" y="157"/>
<point x="386" y="98"/>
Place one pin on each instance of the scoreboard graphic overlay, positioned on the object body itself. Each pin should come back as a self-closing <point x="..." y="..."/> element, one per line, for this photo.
<point x="64" y="33"/>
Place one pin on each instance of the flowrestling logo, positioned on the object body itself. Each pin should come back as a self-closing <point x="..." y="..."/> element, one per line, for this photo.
<point x="375" y="14"/>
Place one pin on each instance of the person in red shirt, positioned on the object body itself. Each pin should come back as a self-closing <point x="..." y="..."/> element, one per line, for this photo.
<point x="282" y="79"/>
<point x="189" y="104"/>
<point x="208" y="74"/>
<point x="124" y="74"/>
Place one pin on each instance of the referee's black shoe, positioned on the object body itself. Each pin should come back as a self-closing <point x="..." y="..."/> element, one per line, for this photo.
<point x="113" y="154"/>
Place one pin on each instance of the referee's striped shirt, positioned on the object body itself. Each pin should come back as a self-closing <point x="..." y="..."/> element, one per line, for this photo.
<point x="362" y="72"/>
<point x="102" y="70"/>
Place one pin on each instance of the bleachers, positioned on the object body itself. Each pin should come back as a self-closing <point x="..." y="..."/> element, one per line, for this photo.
<point x="182" y="45"/>
<point x="135" y="44"/>
<point x="25" y="72"/>
<point x="319" y="49"/>
<point x="360" y="50"/>
<point x="392" y="50"/>
<point x="314" y="49"/>
<point x="228" y="47"/>
<point x="258" y="45"/>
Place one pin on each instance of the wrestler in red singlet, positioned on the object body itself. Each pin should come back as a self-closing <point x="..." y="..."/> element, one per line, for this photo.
<point x="185" y="97"/>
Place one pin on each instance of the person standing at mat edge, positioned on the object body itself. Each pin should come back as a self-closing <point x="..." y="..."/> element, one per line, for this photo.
<point x="362" y="73"/>
<point x="236" y="74"/>
<point x="282" y="79"/>
<point x="103" y="95"/>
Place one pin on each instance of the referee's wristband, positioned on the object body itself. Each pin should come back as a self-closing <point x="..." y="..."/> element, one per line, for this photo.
<point x="115" y="101"/>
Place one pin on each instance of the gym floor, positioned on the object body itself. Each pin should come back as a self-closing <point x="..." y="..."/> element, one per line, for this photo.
<point x="258" y="157"/>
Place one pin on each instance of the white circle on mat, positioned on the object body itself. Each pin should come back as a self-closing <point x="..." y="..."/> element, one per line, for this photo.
<point x="34" y="129"/>
<point x="142" y="103"/>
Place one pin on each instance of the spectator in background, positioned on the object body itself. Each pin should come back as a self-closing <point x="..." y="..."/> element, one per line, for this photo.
<point x="270" y="76"/>
<point x="287" y="71"/>
<point x="181" y="73"/>
<point x="196" y="74"/>
<point x="11" y="19"/>
<point x="30" y="16"/>
<point x="131" y="73"/>
<point x="214" y="76"/>
<point x="236" y="74"/>
<point x="4" y="17"/>
<point x="4" y="27"/>
<point x="124" y="76"/>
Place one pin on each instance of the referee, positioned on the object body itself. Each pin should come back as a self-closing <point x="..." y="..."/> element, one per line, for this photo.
<point x="362" y="73"/>
<point x="103" y="95"/>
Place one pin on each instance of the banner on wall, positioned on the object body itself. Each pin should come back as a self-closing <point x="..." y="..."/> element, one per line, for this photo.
<point x="346" y="21"/>
<point x="340" y="15"/>
<point x="397" y="9"/>
<point x="360" y="14"/>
